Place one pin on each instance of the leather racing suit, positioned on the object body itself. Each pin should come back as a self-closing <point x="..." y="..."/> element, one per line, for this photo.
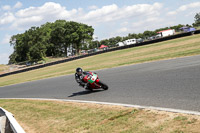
<point x="79" y="79"/>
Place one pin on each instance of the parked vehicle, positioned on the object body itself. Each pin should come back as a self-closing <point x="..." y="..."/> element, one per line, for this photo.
<point x="130" y="41"/>
<point x="120" y="44"/>
<point x="165" y="33"/>
<point x="91" y="51"/>
<point x="83" y="52"/>
<point x="139" y="40"/>
<point x="152" y="38"/>
<point x="188" y="29"/>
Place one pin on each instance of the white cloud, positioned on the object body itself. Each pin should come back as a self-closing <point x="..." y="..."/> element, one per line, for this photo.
<point x="48" y="8"/>
<point x="22" y="23"/>
<point x="149" y="24"/>
<point x="4" y="58"/>
<point x="138" y="15"/>
<point x="18" y="5"/>
<point x="124" y="23"/>
<point x="50" y="11"/>
<point x="172" y="13"/>
<point x="191" y="5"/>
<point x="184" y="8"/>
<point x="7" y="18"/>
<point x="6" y="39"/>
<point x="6" y="7"/>
<point x="102" y="14"/>
<point x="92" y="7"/>
<point x="35" y="16"/>
<point x="114" y="13"/>
<point x="121" y="30"/>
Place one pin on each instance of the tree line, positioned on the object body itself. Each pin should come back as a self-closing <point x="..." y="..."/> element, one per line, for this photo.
<point x="196" y="20"/>
<point x="50" y="39"/>
<point x="55" y="39"/>
<point x="112" y="41"/>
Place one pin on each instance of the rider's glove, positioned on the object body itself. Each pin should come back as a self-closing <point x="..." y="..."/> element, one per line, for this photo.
<point x="86" y="85"/>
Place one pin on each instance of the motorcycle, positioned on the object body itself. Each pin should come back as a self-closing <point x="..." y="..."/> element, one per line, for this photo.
<point x="94" y="81"/>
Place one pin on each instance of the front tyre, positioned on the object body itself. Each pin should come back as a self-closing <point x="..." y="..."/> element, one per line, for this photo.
<point x="103" y="85"/>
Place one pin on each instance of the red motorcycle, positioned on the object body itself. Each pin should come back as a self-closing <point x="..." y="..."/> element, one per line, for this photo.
<point x="94" y="82"/>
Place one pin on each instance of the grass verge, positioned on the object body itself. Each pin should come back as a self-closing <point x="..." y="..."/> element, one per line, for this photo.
<point x="37" y="116"/>
<point x="180" y="47"/>
<point x="53" y="116"/>
<point x="3" y="68"/>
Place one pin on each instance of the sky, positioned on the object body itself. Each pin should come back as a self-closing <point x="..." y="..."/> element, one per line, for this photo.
<point x="109" y="18"/>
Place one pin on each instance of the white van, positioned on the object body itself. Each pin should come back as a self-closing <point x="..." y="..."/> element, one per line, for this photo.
<point x="164" y="33"/>
<point x="130" y="41"/>
<point x="120" y="44"/>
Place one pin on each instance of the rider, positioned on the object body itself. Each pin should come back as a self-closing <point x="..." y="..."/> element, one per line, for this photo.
<point x="79" y="75"/>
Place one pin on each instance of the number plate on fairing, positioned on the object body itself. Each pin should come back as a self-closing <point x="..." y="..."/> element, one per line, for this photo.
<point x="92" y="78"/>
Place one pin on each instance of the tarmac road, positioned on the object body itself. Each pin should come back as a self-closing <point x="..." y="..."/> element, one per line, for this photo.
<point x="171" y="83"/>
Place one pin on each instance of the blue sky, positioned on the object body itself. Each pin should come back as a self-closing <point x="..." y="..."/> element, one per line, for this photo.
<point x="109" y="18"/>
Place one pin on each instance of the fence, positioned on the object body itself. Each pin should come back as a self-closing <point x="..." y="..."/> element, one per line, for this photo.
<point x="8" y="124"/>
<point x="100" y="52"/>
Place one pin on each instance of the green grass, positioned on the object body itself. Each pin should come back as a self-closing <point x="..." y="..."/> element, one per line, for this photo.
<point x="3" y="68"/>
<point x="180" y="47"/>
<point x="61" y="117"/>
<point x="51" y="59"/>
<point x="55" y="116"/>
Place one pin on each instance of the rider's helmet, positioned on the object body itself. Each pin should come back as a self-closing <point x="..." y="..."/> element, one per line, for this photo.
<point x="79" y="71"/>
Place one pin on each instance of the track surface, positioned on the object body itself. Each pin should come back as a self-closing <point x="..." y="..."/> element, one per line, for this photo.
<point x="168" y="84"/>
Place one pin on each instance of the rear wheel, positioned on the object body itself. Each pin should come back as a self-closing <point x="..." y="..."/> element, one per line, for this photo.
<point x="104" y="86"/>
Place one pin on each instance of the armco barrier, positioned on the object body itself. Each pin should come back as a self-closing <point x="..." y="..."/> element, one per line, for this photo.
<point x="8" y="124"/>
<point x="100" y="52"/>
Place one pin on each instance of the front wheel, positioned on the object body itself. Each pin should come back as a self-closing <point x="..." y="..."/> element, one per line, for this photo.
<point x="104" y="86"/>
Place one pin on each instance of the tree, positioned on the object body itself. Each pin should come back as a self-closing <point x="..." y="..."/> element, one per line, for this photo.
<point x="19" y="54"/>
<point x="196" y="19"/>
<point x="104" y="42"/>
<point x="94" y="44"/>
<point x="177" y="27"/>
<point x="113" y="41"/>
<point x="118" y="39"/>
<point x="45" y="31"/>
<point x="149" y="33"/>
<point x="58" y="37"/>
<point x="131" y="36"/>
<point x="80" y="34"/>
<point x="27" y="46"/>
<point x="140" y="35"/>
<point x="51" y="39"/>
<point x="35" y="45"/>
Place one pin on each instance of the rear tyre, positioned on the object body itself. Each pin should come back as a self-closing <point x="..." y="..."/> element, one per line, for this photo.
<point x="103" y="85"/>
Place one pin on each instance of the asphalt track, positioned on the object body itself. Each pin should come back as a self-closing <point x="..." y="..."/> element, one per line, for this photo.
<point x="171" y="83"/>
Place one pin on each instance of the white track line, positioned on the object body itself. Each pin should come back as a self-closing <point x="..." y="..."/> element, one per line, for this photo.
<point x="119" y="104"/>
